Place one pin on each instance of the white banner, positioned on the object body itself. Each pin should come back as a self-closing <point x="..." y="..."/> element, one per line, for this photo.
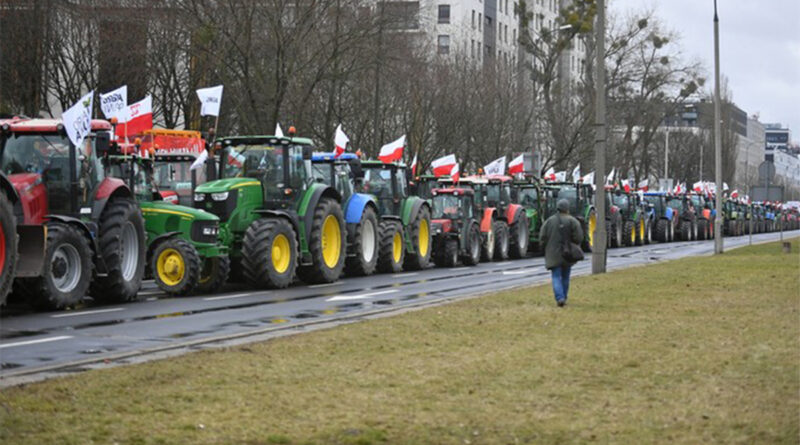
<point x="496" y="167"/>
<point x="115" y="104"/>
<point x="78" y="119"/>
<point x="210" y="98"/>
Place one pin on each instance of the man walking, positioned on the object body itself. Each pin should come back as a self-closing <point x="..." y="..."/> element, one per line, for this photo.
<point x="556" y="232"/>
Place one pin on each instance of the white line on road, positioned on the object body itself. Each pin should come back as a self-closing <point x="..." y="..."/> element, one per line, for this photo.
<point x="99" y="311"/>
<point x="33" y="342"/>
<point x="515" y="272"/>
<point x="362" y="296"/>
<point x="226" y="297"/>
<point x="403" y="275"/>
<point x="454" y="269"/>
<point x="504" y="263"/>
<point x="317" y="286"/>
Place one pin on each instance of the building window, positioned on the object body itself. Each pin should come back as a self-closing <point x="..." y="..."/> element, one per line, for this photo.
<point x="500" y="5"/>
<point x="473" y="19"/>
<point x="488" y="22"/>
<point x="506" y="6"/>
<point x="514" y="35"/>
<point x="480" y="21"/>
<point x="472" y="50"/>
<point x="444" y="44"/>
<point x="444" y="14"/>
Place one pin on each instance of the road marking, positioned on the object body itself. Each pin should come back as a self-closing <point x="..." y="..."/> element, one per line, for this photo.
<point x="403" y="275"/>
<point x="454" y="269"/>
<point x="33" y="342"/>
<point x="317" y="286"/>
<point x="362" y="296"/>
<point x="151" y="292"/>
<point x="99" y="311"/>
<point x="514" y="272"/>
<point x="226" y="297"/>
<point x="504" y="263"/>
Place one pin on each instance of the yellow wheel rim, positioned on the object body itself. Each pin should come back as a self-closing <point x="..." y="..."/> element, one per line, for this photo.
<point x="397" y="247"/>
<point x="331" y="241"/>
<point x="592" y="227"/>
<point x="424" y="238"/>
<point x="170" y="267"/>
<point x="641" y="230"/>
<point x="633" y="234"/>
<point x="281" y="253"/>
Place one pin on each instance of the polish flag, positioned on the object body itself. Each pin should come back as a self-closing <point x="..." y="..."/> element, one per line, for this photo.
<point x="680" y="188"/>
<point x="516" y="166"/>
<point x="697" y="187"/>
<point x="643" y="185"/>
<point x="561" y="176"/>
<point x="340" y="140"/>
<point x="455" y="174"/>
<point x="414" y="166"/>
<point x="444" y="165"/>
<point x="550" y="174"/>
<point x="140" y="118"/>
<point x="735" y="194"/>
<point x="626" y="185"/>
<point x="393" y="151"/>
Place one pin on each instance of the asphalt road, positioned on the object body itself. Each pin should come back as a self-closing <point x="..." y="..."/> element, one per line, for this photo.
<point x="35" y="346"/>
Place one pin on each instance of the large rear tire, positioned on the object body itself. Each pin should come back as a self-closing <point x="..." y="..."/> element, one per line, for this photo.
<point x="391" y="252"/>
<point x="420" y="230"/>
<point x="686" y="231"/>
<point x="662" y="231"/>
<point x="122" y="246"/>
<point x="473" y="256"/>
<point x="175" y="266"/>
<point x="8" y="247"/>
<point x="519" y="236"/>
<point x="450" y="255"/>
<point x="67" y="269"/>
<point x="213" y="274"/>
<point x="501" y="241"/>
<point x="269" y="253"/>
<point x="364" y="244"/>
<point x="702" y="229"/>
<point x="629" y="234"/>
<point x="327" y="243"/>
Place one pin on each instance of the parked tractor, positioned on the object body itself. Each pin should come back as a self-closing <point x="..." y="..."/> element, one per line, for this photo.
<point x="175" y="152"/>
<point x="95" y="239"/>
<point x="424" y="185"/>
<point x="528" y="194"/>
<point x="663" y="216"/>
<point x="276" y="220"/>
<point x="360" y="210"/>
<point x="497" y="189"/>
<point x="405" y="220"/>
<point x="634" y="228"/>
<point x="615" y="224"/>
<point x="183" y="251"/>
<point x="456" y="231"/>
<point x="705" y="216"/>
<point x="581" y="206"/>
<point x="686" y="223"/>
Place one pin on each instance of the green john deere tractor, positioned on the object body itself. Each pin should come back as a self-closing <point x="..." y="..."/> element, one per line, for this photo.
<point x="528" y="194"/>
<point x="275" y="219"/>
<point x="581" y="206"/>
<point x="183" y="251"/>
<point x="405" y="219"/>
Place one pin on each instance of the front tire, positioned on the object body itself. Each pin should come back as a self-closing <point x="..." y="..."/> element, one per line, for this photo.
<point x="213" y="274"/>
<point x="67" y="269"/>
<point x="501" y="241"/>
<point x="629" y="234"/>
<point x="391" y="251"/>
<point x="364" y="244"/>
<point x="702" y="229"/>
<point x="269" y="253"/>
<point x="450" y="255"/>
<point x="8" y="247"/>
<point x="487" y="249"/>
<point x="175" y="266"/>
<point x="662" y="230"/>
<point x="421" y="239"/>
<point x="122" y="246"/>
<point x="519" y="237"/>
<point x="474" y="246"/>
<point x="327" y="243"/>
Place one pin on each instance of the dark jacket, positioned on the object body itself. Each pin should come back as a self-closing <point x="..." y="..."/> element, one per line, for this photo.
<point x="550" y="237"/>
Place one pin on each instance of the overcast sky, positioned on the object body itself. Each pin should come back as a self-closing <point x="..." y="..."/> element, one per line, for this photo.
<point x="759" y="49"/>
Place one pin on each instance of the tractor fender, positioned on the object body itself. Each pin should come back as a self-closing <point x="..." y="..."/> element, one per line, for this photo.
<point x="513" y="213"/>
<point x="487" y="219"/>
<point x="8" y="188"/>
<point x="411" y="208"/>
<point x="669" y="214"/>
<point x="108" y="189"/>
<point x="88" y="229"/>
<point x="355" y="207"/>
<point x="157" y="240"/>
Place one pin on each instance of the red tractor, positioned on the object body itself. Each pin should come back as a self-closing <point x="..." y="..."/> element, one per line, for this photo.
<point x="498" y="195"/>
<point x="456" y="231"/>
<point x="78" y="231"/>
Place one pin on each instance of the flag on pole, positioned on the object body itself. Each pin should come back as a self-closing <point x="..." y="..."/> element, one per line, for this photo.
<point x="393" y="151"/>
<point x="610" y="178"/>
<point x="643" y="185"/>
<point x="78" y="119"/>
<point x="496" y="167"/>
<point x="140" y="118"/>
<point x="698" y="187"/>
<point x="444" y="165"/>
<point x="588" y="179"/>
<point x="199" y="161"/>
<point x="278" y="131"/>
<point x="560" y="176"/>
<point x="340" y="140"/>
<point x="626" y="185"/>
<point x="550" y="174"/>
<point x="735" y="194"/>
<point x="455" y="174"/>
<point x="516" y="166"/>
<point x="576" y="173"/>
<point x="210" y="100"/>
<point x="114" y="104"/>
<point x="414" y="166"/>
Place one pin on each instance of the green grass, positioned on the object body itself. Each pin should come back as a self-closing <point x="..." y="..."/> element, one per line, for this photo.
<point x="700" y="350"/>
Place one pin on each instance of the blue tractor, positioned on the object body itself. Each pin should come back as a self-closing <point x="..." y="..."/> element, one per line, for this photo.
<point x="360" y="209"/>
<point x="662" y="216"/>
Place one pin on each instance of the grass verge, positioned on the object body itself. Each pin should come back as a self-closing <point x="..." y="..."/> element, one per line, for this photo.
<point x="700" y="350"/>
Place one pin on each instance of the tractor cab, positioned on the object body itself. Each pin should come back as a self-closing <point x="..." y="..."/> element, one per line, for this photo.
<point x="342" y="172"/>
<point x="387" y="182"/>
<point x="424" y="186"/>
<point x="456" y="230"/>
<point x="174" y="153"/>
<point x="451" y="204"/>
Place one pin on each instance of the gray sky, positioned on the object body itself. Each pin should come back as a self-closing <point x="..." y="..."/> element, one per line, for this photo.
<point x="759" y="49"/>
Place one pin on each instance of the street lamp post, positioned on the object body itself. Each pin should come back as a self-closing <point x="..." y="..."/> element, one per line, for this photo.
<point x="599" y="247"/>
<point x="717" y="141"/>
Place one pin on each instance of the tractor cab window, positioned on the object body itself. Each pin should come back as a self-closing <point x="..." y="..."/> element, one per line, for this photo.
<point x="528" y="197"/>
<point x="322" y="172"/>
<point x="675" y="204"/>
<point x="141" y="178"/>
<point x="656" y="202"/>
<point x="570" y="193"/>
<point x="621" y="200"/>
<point x="256" y="161"/>
<point x="177" y="177"/>
<point x="446" y="206"/>
<point x="400" y="183"/>
<point x="378" y="182"/>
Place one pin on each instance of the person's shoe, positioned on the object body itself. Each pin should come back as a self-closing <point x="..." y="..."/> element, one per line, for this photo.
<point x="561" y="303"/>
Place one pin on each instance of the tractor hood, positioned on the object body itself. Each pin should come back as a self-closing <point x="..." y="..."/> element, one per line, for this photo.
<point x="165" y="208"/>
<point x="224" y="185"/>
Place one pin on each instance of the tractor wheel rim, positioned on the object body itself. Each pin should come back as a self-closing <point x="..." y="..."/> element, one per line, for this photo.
<point x="368" y="241"/>
<point x="208" y="270"/>
<point x="281" y="253"/>
<point x="633" y="234"/>
<point x="592" y="227"/>
<point x="331" y="241"/>
<point x="129" y="255"/>
<point x="65" y="268"/>
<point x="641" y="230"/>
<point x="2" y="248"/>
<point x="424" y="238"/>
<point x="170" y="267"/>
<point x="397" y="247"/>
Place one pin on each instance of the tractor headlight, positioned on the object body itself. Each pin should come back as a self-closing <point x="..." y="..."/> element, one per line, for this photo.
<point x="198" y="197"/>
<point x="210" y="231"/>
<point x="219" y="196"/>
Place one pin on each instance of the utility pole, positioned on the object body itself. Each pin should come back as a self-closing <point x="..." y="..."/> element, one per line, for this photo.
<point x="717" y="140"/>
<point x="599" y="247"/>
<point x="666" y="156"/>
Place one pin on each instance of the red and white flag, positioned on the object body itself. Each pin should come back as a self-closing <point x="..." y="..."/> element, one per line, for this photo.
<point x="140" y="118"/>
<point x="626" y="185"/>
<point x="496" y="167"/>
<point x="679" y="189"/>
<point x="516" y="166"/>
<point x="444" y="165"/>
<point x="698" y="187"/>
<point x="340" y="140"/>
<point x="561" y="176"/>
<point x="393" y="151"/>
<point x="735" y="194"/>
<point x="455" y="174"/>
<point x="550" y="174"/>
<point x="414" y="166"/>
<point x="643" y="185"/>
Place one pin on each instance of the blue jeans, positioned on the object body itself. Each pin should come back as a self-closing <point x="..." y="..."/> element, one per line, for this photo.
<point x="560" y="277"/>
